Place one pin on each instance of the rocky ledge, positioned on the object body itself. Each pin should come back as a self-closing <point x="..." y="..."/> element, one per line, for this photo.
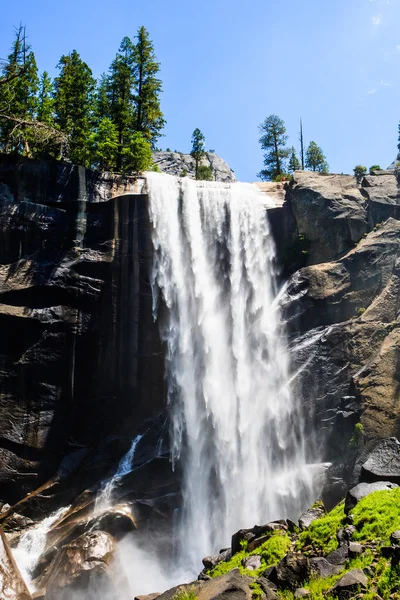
<point x="179" y="164"/>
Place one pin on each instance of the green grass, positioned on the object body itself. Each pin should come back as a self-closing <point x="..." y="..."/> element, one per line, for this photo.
<point x="321" y="535"/>
<point x="377" y="516"/>
<point x="271" y="552"/>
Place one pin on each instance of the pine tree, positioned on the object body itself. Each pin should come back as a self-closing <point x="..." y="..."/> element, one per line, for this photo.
<point x="45" y="109"/>
<point x="18" y="96"/>
<point x="204" y="173"/>
<point x="103" y="108"/>
<point x="315" y="159"/>
<point x="301" y="145"/>
<point x="198" y="149"/>
<point x="104" y="143"/>
<point x="294" y="163"/>
<point x="273" y="142"/>
<point x="74" y="105"/>
<point x="120" y="92"/>
<point x="149" y="117"/>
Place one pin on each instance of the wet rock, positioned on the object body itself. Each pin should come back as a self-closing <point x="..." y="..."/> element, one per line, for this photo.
<point x="210" y="562"/>
<point x="339" y="556"/>
<point x="364" y="489"/>
<point x="383" y="463"/>
<point x="252" y="563"/>
<point x="314" y="513"/>
<point x="80" y="565"/>
<point x="12" y="585"/>
<point x="349" y="584"/>
<point x="291" y="571"/>
<point x="323" y="567"/>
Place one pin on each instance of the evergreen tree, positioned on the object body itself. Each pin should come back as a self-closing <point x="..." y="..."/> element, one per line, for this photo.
<point x="315" y="159"/>
<point x="204" y="173"/>
<point x="120" y="92"/>
<point x="137" y="156"/>
<point x="198" y="149"/>
<point x="45" y="109"/>
<point x="301" y="145"/>
<point x="18" y="96"/>
<point x="273" y="142"/>
<point x="294" y="163"/>
<point x="103" y="108"/>
<point x="104" y="143"/>
<point x="149" y="118"/>
<point x="74" y="105"/>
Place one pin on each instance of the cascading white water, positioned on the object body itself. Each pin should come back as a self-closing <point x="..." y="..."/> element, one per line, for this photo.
<point x="103" y="500"/>
<point x="236" y="429"/>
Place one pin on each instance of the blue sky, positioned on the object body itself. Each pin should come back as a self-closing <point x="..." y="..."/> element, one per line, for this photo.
<point x="226" y="65"/>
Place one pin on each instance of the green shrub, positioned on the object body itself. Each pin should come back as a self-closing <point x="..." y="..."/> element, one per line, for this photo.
<point x="374" y="168"/>
<point x="357" y="436"/>
<point x="360" y="311"/>
<point x="283" y="177"/>
<point x="204" y="173"/>
<point x="359" y="171"/>
<point x="185" y="593"/>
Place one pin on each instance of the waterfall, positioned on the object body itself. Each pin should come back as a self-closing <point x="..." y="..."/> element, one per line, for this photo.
<point x="237" y="431"/>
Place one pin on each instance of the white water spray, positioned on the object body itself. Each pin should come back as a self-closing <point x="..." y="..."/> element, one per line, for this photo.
<point x="236" y="429"/>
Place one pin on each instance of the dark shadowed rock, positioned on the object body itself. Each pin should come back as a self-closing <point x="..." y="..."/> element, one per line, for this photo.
<point x="12" y="585"/>
<point x="383" y="464"/>
<point x="243" y="535"/>
<point x="314" y="513"/>
<point x="339" y="556"/>
<point x="364" y="489"/>
<point x="291" y="571"/>
<point x="323" y="567"/>
<point x="349" y="584"/>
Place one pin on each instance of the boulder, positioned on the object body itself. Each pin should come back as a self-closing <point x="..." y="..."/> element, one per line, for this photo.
<point x="314" y="513"/>
<point x="148" y="596"/>
<point x="395" y="538"/>
<point x="291" y="571"/>
<point x="252" y="563"/>
<point x="177" y="163"/>
<point x="210" y="562"/>
<point x="383" y="463"/>
<point x="355" y="549"/>
<point x="231" y="586"/>
<point x="339" y="556"/>
<point x="323" y="568"/>
<point x="79" y="566"/>
<point x="349" y="584"/>
<point x="243" y="535"/>
<point x="302" y="593"/>
<point x="364" y="489"/>
<point x="12" y="585"/>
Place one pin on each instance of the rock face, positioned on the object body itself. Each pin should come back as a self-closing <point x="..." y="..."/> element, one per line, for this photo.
<point x="77" y="329"/>
<point x="342" y="310"/>
<point x="383" y="462"/>
<point x="179" y="164"/>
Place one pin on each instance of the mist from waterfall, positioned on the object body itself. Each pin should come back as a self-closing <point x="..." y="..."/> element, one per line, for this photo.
<point x="237" y="431"/>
